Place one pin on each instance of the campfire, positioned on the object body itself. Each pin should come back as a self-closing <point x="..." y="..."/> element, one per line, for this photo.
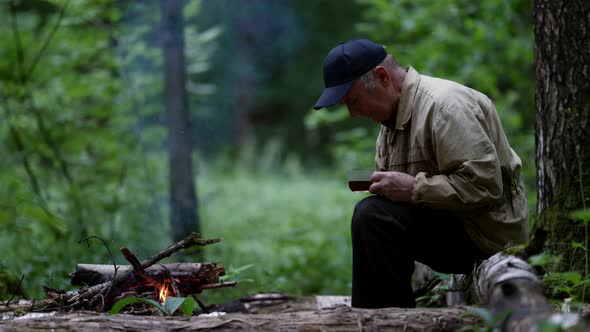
<point x="163" y="292"/>
<point x="103" y="285"/>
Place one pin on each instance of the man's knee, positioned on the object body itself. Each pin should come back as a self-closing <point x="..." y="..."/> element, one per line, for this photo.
<point x="378" y="211"/>
<point x="365" y="209"/>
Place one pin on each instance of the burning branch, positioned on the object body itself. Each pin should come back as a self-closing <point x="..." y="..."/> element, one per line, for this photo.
<point x="173" y="284"/>
<point x="139" y="269"/>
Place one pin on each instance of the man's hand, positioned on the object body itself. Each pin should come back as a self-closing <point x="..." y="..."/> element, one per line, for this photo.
<point x="396" y="186"/>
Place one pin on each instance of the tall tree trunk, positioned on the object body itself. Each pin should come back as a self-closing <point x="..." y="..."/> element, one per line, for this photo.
<point x="245" y="84"/>
<point x="562" y="61"/>
<point x="183" y="200"/>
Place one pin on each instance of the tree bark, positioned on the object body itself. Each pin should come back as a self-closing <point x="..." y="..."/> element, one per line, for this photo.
<point x="183" y="198"/>
<point x="562" y="66"/>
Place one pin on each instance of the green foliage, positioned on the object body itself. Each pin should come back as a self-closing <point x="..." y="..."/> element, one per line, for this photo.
<point x="61" y="134"/>
<point x="186" y="304"/>
<point x="544" y="260"/>
<point x="582" y="215"/>
<point x="571" y="283"/>
<point x="557" y="285"/>
<point x="81" y="133"/>
<point x="566" y="221"/>
<point x="548" y="326"/>
<point x="560" y="285"/>
<point x="436" y="296"/>
<point x="514" y="250"/>
<point x="282" y="231"/>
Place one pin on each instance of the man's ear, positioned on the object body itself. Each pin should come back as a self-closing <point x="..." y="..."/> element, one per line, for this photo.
<point x="382" y="75"/>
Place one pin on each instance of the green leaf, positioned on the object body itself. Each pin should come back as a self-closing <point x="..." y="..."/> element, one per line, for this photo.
<point x="441" y="276"/>
<point x="172" y="303"/>
<point x="491" y="321"/>
<point x="581" y="215"/>
<point x="129" y="300"/>
<point x="232" y="273"/>
<point x="188" y="306"/>
<point x="543" y="260"/>
<point x="577" y="245"/>
<point x="573" y="277"/>
<point x="485" y="315"/>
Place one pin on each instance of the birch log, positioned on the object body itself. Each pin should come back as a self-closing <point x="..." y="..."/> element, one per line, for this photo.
<point x="506" y="284"/>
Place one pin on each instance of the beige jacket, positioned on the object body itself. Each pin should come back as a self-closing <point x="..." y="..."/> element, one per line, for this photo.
<point x="450" y="138"/>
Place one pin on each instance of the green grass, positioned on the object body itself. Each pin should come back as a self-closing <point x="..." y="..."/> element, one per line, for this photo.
<point x="286" y="233"/>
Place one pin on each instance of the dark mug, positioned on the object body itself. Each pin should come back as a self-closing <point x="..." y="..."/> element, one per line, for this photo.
<point x="359" y="180"/>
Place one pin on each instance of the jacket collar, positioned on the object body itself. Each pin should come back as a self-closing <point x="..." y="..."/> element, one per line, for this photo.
<point x="409" y="88"/>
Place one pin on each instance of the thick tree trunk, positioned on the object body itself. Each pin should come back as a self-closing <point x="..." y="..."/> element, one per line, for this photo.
<point x="562" y="58"/>
<point x="183" y="200"/>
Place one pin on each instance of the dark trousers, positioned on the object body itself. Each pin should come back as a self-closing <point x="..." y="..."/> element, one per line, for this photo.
<point x="387" y="237"/>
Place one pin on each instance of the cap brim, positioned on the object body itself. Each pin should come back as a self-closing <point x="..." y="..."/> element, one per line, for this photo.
<point x="332" y="95"/>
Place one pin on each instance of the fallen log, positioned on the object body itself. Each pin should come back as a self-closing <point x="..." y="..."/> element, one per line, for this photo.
<point x="26" y="306"/>
<point x="509" y="287"/>
<point x="94" y="274"/>
<point x="187" y="278"/>
<point x="341" y="318"/>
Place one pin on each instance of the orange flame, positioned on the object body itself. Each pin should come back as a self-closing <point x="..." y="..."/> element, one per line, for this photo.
<point x="163" y="293"/>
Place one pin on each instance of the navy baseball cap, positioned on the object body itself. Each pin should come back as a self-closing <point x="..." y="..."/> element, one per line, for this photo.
<point x="345" y="63"/>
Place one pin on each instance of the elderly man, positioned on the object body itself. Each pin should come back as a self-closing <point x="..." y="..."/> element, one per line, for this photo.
<point x="447" y="185"/>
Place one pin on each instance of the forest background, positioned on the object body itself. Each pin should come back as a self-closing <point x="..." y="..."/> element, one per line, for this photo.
<point x="84" y="141"/>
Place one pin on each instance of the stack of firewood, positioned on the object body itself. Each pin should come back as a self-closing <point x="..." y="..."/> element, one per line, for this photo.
<point x="104" y="285"/>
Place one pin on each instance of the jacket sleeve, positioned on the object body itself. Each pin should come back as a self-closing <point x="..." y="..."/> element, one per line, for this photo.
<point x="470" y="175"/>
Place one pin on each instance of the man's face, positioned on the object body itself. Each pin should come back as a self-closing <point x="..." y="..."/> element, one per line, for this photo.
<point x="370" y="102"/>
